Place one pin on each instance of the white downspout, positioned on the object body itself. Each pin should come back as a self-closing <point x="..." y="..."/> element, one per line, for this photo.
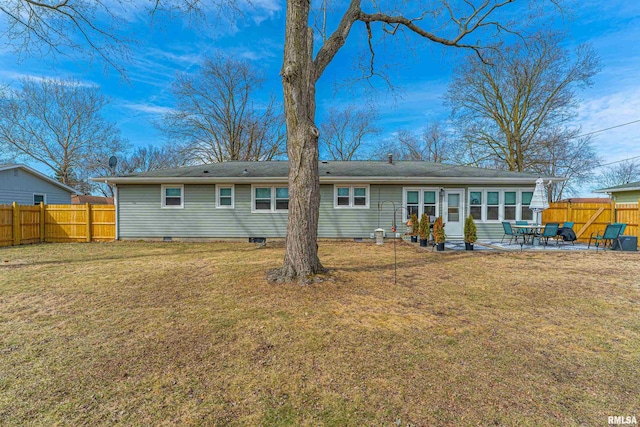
<point x="115" y="202"/>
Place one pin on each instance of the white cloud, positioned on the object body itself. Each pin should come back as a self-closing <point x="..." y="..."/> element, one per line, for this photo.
<point x="610" y="110"/>
<point x="15" y="76"/>
<point x="146" y="108"/>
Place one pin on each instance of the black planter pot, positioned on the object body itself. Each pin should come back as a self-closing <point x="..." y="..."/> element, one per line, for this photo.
<point x="468" y="246"/>
<point x="423" y="243"/>
<point x="440" y="247"/>
<point x="414" y="239"/>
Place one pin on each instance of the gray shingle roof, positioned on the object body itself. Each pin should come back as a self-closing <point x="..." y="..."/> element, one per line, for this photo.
<point x="630" y="186"/>
<point x="9" y="166"/>
<point x="353" y="169"/>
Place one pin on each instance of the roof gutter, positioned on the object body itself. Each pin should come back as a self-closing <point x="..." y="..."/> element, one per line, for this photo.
<point x="616" y="190"/>
<point x="324" y="180"/>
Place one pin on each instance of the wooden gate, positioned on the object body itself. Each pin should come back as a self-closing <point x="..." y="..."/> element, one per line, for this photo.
<point x="593" y="217"/>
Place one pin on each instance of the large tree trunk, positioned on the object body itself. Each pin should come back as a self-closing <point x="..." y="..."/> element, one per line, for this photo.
<point x="298" y="80"/>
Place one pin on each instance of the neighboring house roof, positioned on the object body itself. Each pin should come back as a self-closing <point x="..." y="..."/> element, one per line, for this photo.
<point x="79" y="199"/>
<point x="630" y="186"/>
<point x="39" y="175"/>
<point x="331" y="171"/>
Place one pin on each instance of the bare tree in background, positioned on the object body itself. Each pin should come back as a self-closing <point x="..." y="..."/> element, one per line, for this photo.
<point x="445" y="22"/>
<point x="218" y="118"/>
<point x="5" y="155"/>
<point x="433" y="144"/>
<point x="618" y="174"/>
<point x="141" y="159"/>
<point x="344" y="132"/>
<point x="59" y="123"/>
<point x="506" y="105"/>
<point x="150" y="158"/>
<point x="568" y="155"/>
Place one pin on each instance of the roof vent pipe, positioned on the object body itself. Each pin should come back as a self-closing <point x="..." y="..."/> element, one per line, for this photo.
<point x="390" y="158"/>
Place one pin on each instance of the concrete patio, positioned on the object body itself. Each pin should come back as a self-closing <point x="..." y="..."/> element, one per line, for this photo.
<point x="496" y="245"/>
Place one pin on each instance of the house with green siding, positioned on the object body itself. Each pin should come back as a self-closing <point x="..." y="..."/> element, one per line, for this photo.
<point x="240" y="200"/>
<point x="626" y="193"/>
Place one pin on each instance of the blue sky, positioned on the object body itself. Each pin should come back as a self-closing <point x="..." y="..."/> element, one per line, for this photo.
<point x="420" y="74"/>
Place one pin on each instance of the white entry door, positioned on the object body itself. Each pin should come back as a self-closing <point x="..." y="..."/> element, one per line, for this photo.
<point x="453" y="212"/>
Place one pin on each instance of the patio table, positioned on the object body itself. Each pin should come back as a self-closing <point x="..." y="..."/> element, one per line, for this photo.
<point x="531" y="230"/>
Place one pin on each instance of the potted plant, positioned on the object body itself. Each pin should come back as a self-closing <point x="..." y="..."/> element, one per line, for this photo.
<point x="470" y="231"/>
<point x="415" y="228"/>
<point x="424" y="230"/>
<point x="438" y="233"/>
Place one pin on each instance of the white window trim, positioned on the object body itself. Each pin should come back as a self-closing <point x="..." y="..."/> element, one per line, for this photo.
<point x="485" y="205"/>
<point x="482" y="203"/>
<point x="44" y="198"/>
<point x="273" y="199"/>
<point x="163" y="187"/>
<point x="367" y="197"/>
<point x="420" y="191"/>
<point x="233" y="196"/>
<point x="501" y="204"/>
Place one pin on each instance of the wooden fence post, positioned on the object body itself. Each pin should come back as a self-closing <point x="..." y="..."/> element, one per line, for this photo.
<point x="42" y="219"/>
<point x="613" y="212"/>
<point x="569" y="212"/>
<point x="16" y="224"/>
<point x="88" y="210"/>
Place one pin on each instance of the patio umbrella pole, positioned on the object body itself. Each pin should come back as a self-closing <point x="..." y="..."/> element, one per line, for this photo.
<point x="538" y="202"/>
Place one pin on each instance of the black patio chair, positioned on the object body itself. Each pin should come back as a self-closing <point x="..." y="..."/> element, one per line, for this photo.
<point x="550" y="231"/>
<point x="566" y="233"/>
<point x="611" y="233"/>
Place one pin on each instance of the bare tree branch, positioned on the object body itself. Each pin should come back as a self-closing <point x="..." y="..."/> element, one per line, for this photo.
<point x="345" y="132"/>
<point x="217" y="117"/>
<point x="59" y="124"/>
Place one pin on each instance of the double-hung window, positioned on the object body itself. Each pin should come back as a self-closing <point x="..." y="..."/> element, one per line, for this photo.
<point x="173" y="196"/>
<point x="526" y="213"/>
<point x="418" y="201"/>
<point x="355" y="196"/>
<point x="500" y="205"/>
<point x="493" y="205"/>
<point x="270" y="199"/>
<point x="429" y="202"/>
<point x="413" y="203"/>
<point x="37" y="198"/>
<point x="475" y="205"/>
<point x="224" y="196"/>
<point x="510" y="204"/>
<point x="282" y="198"/>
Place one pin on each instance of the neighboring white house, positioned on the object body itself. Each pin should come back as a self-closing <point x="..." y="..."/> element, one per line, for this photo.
<point x="27" y="186"/>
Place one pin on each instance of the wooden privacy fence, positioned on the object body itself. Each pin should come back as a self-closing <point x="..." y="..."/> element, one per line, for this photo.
<point x="593" y="217"/>
<point x="23" y="225"/>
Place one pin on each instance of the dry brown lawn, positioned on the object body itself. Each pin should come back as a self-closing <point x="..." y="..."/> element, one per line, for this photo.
<point x="192" y="334"/>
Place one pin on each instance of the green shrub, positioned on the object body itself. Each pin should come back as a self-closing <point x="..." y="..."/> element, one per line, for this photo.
<point x="470" y="230"/>
<point x="415" y="225"/>
<point x="438" y="231"/>
<point x="424" y="227"/>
